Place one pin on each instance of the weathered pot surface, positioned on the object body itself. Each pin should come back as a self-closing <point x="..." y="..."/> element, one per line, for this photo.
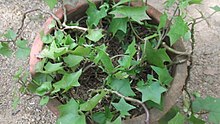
<point x="170" y="97"/>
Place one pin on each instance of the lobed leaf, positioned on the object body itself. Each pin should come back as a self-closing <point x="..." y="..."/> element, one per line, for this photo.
<point x="178" y="119"/>
<point x="72" y="60"/>
<point x="23" y="51"/>
<point x="44" y="100"/>
<point x="68" y="81"/>
<point x="90" y="104"/>
<point x="81" y="51"/>
<point x="10" y="34"/>
<point x="177" y="30"/>
<point x="216" y="8"/>
<point x="152" y="92"/>
<point x="94" y="34"/>
<point x="53" y="51"/>
<point x="103" y="117"/>
<point x="44" y="88"/>
<point x="122" y="86"/>
<point x="94" y="15"/>
<point x="125" y="61"/>
<point x="116" y="121"/>
<point x="51" y="3"/>
<point x="123" y="107"/>
<point x="118" y="24"/>
<point x="50" y="67"/>
<point x="47" y="39"/>
<point x="163" y="74"/>
<point x="69" y="114"/>
<point x="209" y="104"/>
<point x="163" y="21"/>
<point x="5" y="50"/>
<point x="138" y="14"/>
<point x="156" y="56"/>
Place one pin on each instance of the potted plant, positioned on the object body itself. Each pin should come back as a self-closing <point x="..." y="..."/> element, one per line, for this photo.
<point x="107" y="63"/>
<point x="117" y="61"/>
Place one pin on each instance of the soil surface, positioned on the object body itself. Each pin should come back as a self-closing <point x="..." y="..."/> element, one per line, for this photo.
<point x="204" y="75"/>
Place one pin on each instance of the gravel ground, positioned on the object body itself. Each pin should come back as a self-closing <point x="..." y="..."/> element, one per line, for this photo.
<point x="204" y="76"/>
<point x="28" y="111"/>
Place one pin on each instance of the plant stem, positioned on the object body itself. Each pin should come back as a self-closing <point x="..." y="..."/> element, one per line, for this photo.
<point x="77" y="28"/>
<point x="20" y="29"/>
<point x="173" y="50"/>
<point x="120" y="55"/>
<point x="135" y="33"/>
<point x="64" y="13"/>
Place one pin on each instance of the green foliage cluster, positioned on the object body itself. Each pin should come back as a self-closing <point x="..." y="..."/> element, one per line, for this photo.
<point x="67" y="56"/>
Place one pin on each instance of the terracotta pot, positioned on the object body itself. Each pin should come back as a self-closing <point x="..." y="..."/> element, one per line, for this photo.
<point x="179" y="73"/>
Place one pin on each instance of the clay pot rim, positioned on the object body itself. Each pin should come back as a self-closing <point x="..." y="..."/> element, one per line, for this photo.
<point x="178" y="82"/>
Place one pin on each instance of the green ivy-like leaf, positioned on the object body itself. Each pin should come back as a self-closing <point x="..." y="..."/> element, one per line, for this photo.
<point x="121" y="75"/>
<point x="163" y="74"/>
<point x="163" y="21"/>
<point x="44" y="88"/>
<point x="216" y="8"/>
<point x="94" y="34"/>
<point x="68" y="81"/>
<point x="90" y="104"/>
<point x="125" y="61"/>
<point x="72" y="60"/>
<point x="81" y="51"/>
<point x="44" y="100"/>
<point x="69" y="114"/>
<point x="47" y="39"/>
<point x="178" y="119"/>
<point x="94" y="15"/>
<point x="10" y="34"/>
<point x="156" y="56"/>
<point x="52" y="24"/>
<point x="5" y="50"/>
<point x="68" y="40"/>
<point x="105" y="59"/>
<point x="118" y="24"/>
<point x="195" y="120"/>
<point x="123" y="107"/>
<point x="138" y="14"/>
<point x="122" y="86"/>
<point x="152" y="92"/>
<point x="40" y="66"/>
<point x="51" y="3"/>
<point x="177" y="30"/>
<point x="209" y="104"/>
<point x="59" y="35"/>
<point x="131" y="50"/>
<point x="50" y="67"/>
<point x="102" y="117"/>
<point x="169" y="3"/>
<point x="23" y="51"/>
<point x="116" y="121"/>
<point x="195" y="2"/>
<point x="53" y="51"/>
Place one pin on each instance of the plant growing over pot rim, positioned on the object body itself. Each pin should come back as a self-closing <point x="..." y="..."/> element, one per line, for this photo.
<point x="63" y="56"/>
<point x="118" y="80"/>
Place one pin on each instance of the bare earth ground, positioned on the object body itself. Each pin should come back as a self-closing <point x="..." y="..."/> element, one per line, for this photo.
<point x="204" y="76"/>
